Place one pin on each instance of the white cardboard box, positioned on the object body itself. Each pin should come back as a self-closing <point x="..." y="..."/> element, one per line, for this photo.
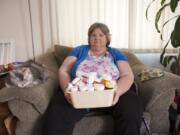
<point x="92" y="99"/>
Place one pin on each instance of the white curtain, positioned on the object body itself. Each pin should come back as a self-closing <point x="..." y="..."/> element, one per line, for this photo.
<point x="70" y="20"/>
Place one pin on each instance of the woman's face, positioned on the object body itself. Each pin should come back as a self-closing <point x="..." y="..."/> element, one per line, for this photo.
<point x="98" y="39"/>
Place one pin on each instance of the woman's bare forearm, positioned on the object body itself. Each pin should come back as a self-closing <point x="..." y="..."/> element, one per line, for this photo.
<point x="64" y="79"/>
<point x="64" y="72"/>
<point x="126" y="78"/>
<point x="124" y="83"/>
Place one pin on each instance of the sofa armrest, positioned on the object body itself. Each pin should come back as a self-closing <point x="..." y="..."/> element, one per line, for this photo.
<point x="28" y="119"/>
<point x="157" y="94"/>
<point x="39" y="95"/>
<point x="151" y="90"/>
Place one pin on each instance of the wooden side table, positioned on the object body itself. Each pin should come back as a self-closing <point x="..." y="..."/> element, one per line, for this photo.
<point x="4" y="111"/>
<point x="3" y="106"/>
<point x="2" y="129"/>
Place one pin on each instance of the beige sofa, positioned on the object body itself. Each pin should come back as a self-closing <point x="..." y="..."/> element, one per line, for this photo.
<point x="29" y="104"/>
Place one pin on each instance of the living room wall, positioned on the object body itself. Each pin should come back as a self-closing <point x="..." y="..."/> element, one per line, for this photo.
<point x="15" y="26"/>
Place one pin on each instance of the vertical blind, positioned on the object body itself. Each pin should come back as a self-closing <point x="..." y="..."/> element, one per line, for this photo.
<point x="126" y="19"/>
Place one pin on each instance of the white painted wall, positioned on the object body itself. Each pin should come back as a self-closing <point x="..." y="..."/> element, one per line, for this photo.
<point x="14" y="25"/>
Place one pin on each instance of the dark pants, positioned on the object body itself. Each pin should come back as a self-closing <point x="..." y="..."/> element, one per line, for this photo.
<point x="61" y="117"/>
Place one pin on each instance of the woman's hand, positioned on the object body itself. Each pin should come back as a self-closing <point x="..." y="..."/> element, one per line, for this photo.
<point x="64" y="76"/>
<point x="116" y="97"/>
<point x="125" y="81"/>
<point x="67" y="96"/>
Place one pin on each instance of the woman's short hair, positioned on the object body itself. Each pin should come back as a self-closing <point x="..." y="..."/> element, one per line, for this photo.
<point x="103" y="27"/>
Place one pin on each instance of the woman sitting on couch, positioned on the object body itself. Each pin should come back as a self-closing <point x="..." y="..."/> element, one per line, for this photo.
<point x="126" y="110"/>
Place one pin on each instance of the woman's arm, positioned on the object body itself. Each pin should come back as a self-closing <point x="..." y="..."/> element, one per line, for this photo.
<point x="64" y="72"/>
<point x="125" y="81"/>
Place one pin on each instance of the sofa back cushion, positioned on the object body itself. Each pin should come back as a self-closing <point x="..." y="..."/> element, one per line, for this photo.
<point x="132" y="58"/>
<point x="61" y="52"/>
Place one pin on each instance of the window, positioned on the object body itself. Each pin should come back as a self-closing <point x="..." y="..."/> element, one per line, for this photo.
<point x="125" y="18"/>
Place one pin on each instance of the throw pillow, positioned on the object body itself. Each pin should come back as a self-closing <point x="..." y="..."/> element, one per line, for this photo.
<point x="61" y="52"/>
<point x="148" y="74"/>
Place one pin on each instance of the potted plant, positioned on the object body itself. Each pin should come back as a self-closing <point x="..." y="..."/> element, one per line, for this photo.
<point x="174" y="39"/>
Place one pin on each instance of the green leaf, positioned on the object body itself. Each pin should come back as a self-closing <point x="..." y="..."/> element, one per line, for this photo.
<point x="162" y="58"/>
<point x="162" y="2"/>
<point x="173" y="42"/>
<point x="165" y="61"/>
<point x="173" y="66"/>
<point x="173" y="5"/>
<point x="175" y="35"/>
<point x="158" y="15"/>
<point x="168" y="59"/>
<point x="164" y="24"/>
<point x="178" y="59"/>
<point x="163" y="52"/>
<point x="172" y="57"/>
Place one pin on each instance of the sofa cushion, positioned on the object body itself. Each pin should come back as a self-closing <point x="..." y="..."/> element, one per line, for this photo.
<point x="103" y="124"/>
<point x="61" y="52"/>
<point x="94" y="125"/>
